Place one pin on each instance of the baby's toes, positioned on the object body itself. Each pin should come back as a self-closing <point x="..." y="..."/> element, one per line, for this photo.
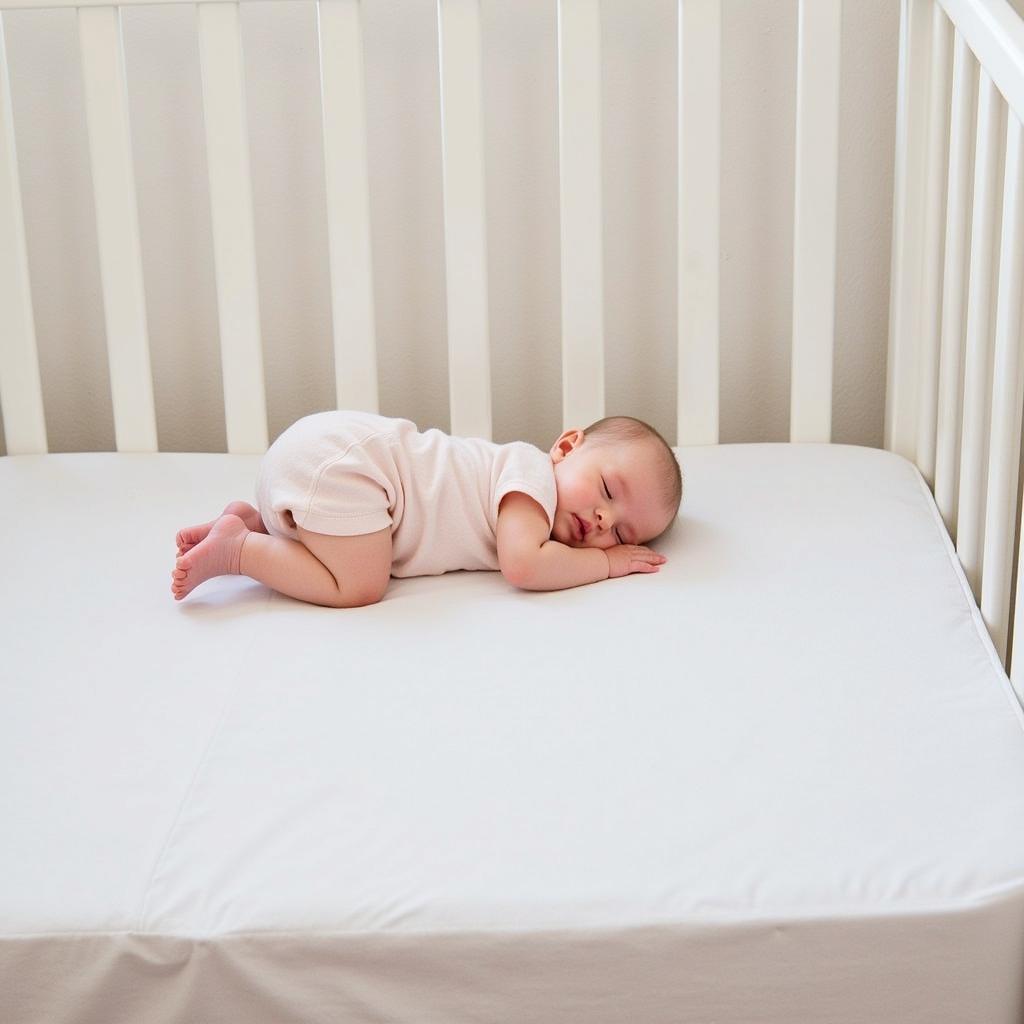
<point x="186" y="541"/>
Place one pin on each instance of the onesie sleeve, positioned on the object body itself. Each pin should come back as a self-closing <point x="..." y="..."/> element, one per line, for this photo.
<point x="524" y="467"/>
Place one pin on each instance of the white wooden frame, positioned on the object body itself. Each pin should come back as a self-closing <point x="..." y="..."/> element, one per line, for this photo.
<point x="955" y="373"/>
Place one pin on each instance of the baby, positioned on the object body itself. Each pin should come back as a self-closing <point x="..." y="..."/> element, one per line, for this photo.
<point x="345" y="500"/>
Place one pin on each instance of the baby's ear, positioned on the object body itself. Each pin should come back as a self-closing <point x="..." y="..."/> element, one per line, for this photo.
<point x="566" y="442"/>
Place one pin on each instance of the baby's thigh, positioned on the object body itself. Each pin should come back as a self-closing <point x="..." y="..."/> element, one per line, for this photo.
<point x="361" y="564"/>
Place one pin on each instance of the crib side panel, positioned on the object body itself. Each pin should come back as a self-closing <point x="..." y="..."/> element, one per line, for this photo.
<point x="956" y="368"/>
<point x="581" y="216"/>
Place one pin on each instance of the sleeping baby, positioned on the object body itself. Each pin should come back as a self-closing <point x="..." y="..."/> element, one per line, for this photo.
<point x="345" y="500"/>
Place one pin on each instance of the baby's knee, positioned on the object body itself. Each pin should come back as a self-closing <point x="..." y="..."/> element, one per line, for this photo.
<point x="359" y="597"/>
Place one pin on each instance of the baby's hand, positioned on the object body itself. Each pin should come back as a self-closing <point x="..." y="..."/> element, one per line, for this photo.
<point x="626" y="558"/>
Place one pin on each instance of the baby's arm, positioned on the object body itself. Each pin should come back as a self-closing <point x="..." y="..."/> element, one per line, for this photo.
<point x="529" y="559"/>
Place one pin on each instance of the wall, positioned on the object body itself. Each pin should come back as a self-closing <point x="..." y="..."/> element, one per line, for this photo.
<point x="520" y="97"/>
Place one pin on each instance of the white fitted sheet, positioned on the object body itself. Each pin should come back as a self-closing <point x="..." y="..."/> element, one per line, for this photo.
<point x="781" y="780"/>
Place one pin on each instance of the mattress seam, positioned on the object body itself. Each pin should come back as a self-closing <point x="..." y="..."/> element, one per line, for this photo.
<point x="976" y="617"/>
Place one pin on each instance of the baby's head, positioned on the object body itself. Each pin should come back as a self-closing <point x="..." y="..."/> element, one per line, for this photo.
<point x="618" y="482"/>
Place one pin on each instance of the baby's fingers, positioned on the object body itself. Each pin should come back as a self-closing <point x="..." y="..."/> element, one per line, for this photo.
<point x="647" y="555"/>
<point x="647" y="561"/>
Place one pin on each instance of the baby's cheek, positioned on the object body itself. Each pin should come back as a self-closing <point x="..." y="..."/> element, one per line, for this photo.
<point x="563" y="527"/>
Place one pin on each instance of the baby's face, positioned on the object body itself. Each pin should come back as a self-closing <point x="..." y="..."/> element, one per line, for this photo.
<point x="607" y="494"/>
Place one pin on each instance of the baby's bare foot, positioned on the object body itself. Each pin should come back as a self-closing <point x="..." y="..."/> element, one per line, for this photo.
<point x="218" y="554"/>
<point x="190" y="536"/>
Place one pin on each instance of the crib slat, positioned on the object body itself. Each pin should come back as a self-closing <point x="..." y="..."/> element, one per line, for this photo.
<point x="579" y="134"/>
<point x="907" y="237"/>
<point x="21" y="393"/>
<point x="935" y="189"/>
<point x="465" y="232"/>
<point x="342" y="94"/>
<point x="814" y="222"/>
<point x="234" y="249"/>
<point x="699" y="131"/>
<point x="1007" y="391"/>
<point x="954" y="277"/>
<point x="978" y="368"/>
<point x="117" y="229"/>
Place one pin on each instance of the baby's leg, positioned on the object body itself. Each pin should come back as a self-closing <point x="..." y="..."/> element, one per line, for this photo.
<point x="190" y="536"/>
<point x="338" y="572"/>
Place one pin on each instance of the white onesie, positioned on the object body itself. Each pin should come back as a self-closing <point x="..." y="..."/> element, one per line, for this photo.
<point x="347" y="473"/>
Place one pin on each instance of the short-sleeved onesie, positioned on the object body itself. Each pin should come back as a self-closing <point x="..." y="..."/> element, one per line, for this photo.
<point x="346" y="473"/>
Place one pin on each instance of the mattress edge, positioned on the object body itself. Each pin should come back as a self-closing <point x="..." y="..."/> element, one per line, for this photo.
<point x="965" y="587"/>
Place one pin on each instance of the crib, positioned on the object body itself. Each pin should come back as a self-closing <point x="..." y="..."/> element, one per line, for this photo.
<point x="777" y="781"/>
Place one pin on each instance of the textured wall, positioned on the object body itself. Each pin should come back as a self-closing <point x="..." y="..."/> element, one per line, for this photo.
<point x="520" y="97"/>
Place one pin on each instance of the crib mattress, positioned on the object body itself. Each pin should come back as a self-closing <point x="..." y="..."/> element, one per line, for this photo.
<point x="781" y="780"/>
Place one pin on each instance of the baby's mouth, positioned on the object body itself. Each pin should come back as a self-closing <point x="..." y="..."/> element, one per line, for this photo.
<point x="580" y="531"/>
